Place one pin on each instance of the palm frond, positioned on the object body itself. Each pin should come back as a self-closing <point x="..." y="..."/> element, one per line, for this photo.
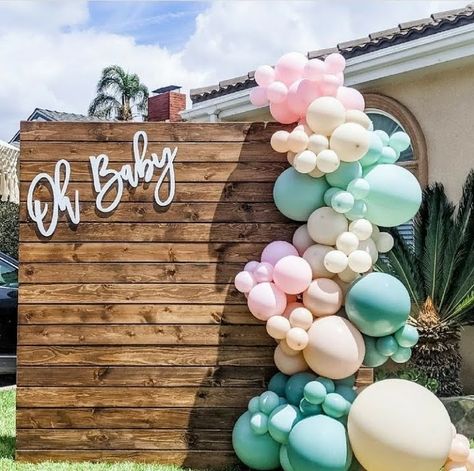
<point x="104" y="106"/>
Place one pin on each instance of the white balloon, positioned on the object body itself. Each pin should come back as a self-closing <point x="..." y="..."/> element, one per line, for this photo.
<point x="325" y="114"/>
<point x="279" y="141"/>
<point x="384" y="242"/>
<point x="305" y="162"/>
<point x="348" y="275"/>
<point x="360" y="261"/>
<point x="318" y="143"/>
<point x="297" y="338"/>
<point x="327" y="161"/>
<point x="325" y="225"/>
<point x="375" y="233"/>
<point x="362" y="228"/>
<point x="336" y="261"/>
<point x="297" y="141"/>
<point x="358" y="117"/>
<point x="369" y="247"/>
<point x="301" y="317"/>
<point x="278" y="326"/>
<point x="350" y="141"/>
<point x="347" y="242"/>
<point x="302" y="240"/>
<point x="314" y="255"/>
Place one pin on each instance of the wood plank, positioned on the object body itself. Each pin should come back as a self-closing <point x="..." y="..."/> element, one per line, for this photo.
<point x="122" y="151"/>
<point x="135" y="314"/>
<point x="134" y="439"/>
<point x="135" y="397"/>
<point x="184" y="171"/>
<point x="123" y="132"/>
<point x="139" y="252"/>
<point x="135" y="418"/>
<point x="146" y="376"/>
<point x="144" y="356"/>
<point x="158" y="232"/>
<point x="178" y="212"/>
<point x="144" y="335"/>
<point x="187" y="459"/>
<point x="130" y="293"/>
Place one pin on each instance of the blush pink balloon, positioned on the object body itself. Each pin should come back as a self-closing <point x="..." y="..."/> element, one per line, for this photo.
<point x="266" y="300"/>
<point x="329" y="85"/>
<point x="308" y="91"/>
<point x="277" y="92"/>
<point x="335" y="63"/>
<point x="251" y="266"/>
<point x="351" y="98"/>
<point x="289" y="67"/>
<point x="314" y="69"/>
<point x="282" y="113"/>
<point x="459" y="451"/>
<point x="295" y="103"/>
<point x="258" y="96"/>
<point x="244" y="281"/>
<point x="292" y="274"/>
<point x="264" y="272"/>
<point x="290" y="307"/>
<point x="264" y="75"/>
<point x="276" y="250"/>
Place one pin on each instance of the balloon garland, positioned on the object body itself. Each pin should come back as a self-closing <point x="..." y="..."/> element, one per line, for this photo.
<point x="323" y="304"/>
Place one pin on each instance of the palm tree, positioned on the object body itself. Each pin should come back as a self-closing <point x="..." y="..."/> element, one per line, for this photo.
<point x="118" y="94"/>
<point x="438" y="271"/>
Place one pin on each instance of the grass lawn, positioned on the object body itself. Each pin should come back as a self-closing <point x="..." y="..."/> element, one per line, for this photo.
<point x="7" y="448"/>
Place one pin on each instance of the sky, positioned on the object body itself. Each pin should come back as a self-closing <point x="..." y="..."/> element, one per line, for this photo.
<point x="52" y="51"/>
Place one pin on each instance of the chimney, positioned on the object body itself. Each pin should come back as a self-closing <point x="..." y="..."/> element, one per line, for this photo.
<point x="166" y="104"/>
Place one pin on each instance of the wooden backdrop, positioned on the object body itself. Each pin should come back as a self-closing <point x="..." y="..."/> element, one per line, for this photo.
<point x="133" y="342"/>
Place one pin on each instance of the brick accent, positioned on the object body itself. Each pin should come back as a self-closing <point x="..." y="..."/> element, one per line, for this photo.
<point x="166" y="107"/>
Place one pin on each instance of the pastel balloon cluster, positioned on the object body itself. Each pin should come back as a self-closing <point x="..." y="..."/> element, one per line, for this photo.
<point x="461" y="456"/>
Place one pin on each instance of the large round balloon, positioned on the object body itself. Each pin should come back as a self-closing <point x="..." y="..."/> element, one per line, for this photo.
<point x="297" y="195"/>
<point x="319" y="443"/>
<point x="255" y="451"/>
<point x="394" y="196"/>
<point x="378" y="304"/>
<point x="398" y="425"/>
<point x="336" y="348"/>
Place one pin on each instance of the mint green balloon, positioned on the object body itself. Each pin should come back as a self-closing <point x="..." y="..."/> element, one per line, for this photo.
<point x="373" y="358"/>
<point x="284" y="461"/>
<point x="407" y="336"/>
<point x="329" y="194"/>
<point x="345" y="173"/>
<point x="259" y="423"/>
<point x="315" y="392"/>
<point x="335" y="405"/>
<point x="254" y="405"/>
<point x="378" y="304"/>
<point x="268" y="401"/>
<point x="282" y="420"/>
<point x="295" y="387"/>
<point x="358" y="211"/>
<point x="319" y="443"/>
<point x="402" y="355"/>
<point x="307" y="408"/>
<point x="389" y="156"/>
<point x="359" y="188"/>
<point x="374" y="152"/>
<point x="384" y="137"/>
<point x="400" y="141"/>
<point x="342" y="202"/>
<point x="259" y="452"/>
<point x="297" y="195"/>
<point x="277" y="384"/>
<point x="394" y="196"/>
<point x="386" y="346"/>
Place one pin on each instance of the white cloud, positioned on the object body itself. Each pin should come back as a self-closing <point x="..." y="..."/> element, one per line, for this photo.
<point x="49" y="59"/>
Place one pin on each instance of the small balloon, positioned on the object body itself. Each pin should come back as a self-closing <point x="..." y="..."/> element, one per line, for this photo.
<point x="342" y="202"/>
<point x="278" y="327"/>
<point x="314" y="69"/>
<point x="301" y="317"/>
<point x="258" y="96"/>
<point x="317" y="143"/>
<point x="336" y="261"/>
<point x="399" y="141"/>
<point x="327" y="161"/>
<point x="402" y="355"/>
<point x="297" y="338"/>
<point x="347" y="242"/>
<point x="351" y="98"/>
<point x="282" y="113"/>
<point x="361" y="228"/>
<point x="360" y="261"/>
<point x="384" y="242"/>
<point x="386" y="346"/>
<point x="305" y="162"/>
<point x="259" y="423"/>
<point x="244" y="281"/>
<point x="359" y="188"/>
<point x="276" y="250"/>
<point x="264" y="75"/>
<point x="290" y="66"/>
<point x="279" y="141"/>
<point x="335" y="63"/>
<point x="315" y="392"/>
<point x="266" y="300"/>
<point x="407" y="336"/>
<point x="297" y="141"/>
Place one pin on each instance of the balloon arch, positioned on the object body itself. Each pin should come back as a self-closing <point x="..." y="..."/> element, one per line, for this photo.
<point x="329" y="312"/>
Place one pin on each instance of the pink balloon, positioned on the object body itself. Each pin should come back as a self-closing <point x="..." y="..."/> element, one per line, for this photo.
<point x="295" y="103"/>
<point x="292" y="274"/>
<point x="258" y="96"/>
<point x="251" y="266"/>
<point x="244" y="281"/>
<point x="276" y="250"/>
<point x="282" y="113"/>
<point x="289" y="67"/>
<point x="277" y="92"/>
<point x="308" y="91"/>
<point x="459" y="451"/>
<point x="266" y="300"/>
<point x="329" y="85"/>
<point x="264" y="272"/>
<point x="351" y="98"/>
<point x="314" y="69"/>
<point x="335" y="63"/>
<point x="264" y="75"/>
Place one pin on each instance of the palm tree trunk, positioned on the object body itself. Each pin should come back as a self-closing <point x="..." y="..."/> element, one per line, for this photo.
<point x="438" y="351"/>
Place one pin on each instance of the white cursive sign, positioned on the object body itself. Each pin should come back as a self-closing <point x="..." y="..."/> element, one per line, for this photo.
<point x="142" y="169"/>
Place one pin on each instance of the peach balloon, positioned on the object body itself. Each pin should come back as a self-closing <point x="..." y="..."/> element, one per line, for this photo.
<point x="289" y="364"/>
<point x="258" y="96"/>
<point x="301" y="317"/>
<point x="286" y="349"/>
<point x="266" y="300"/>
<point x="292" y="274"/>
<point x="278" y="327"/>
<point x="459" y="451"/>
<point x="336" y="348"/>
<point x="314" y="255"/>
<point x="351" y="98"/>
<point x="470" y="461"/>
<point x="279" y="141"/>
<point x="323" y="297"/>
<point x="297" y="338"/>
<point x="302" y="240"/>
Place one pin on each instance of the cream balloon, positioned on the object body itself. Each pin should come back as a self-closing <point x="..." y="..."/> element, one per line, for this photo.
<point x="453" y="466"/>
<point x="358" y="117"/>
<point x="327" y="161"/>
<point x="317" y="143"/>
<point x="301" y="239"/>
<point x="291" y="306"/>
<point x="385" y="242"/>
<point x="314" y="255"/>
<point x="290" y="156"/>
<point x="397" y="425"/>
<point x="343" y="285"/>
<point x="325" y="225"/>
<point x="325" y="114"/>
<point x="305" y="162"/>
<point x="348" y="275"/>
<point x="369" y="247"/>
<point x="289" y="364"/>
<point x="375" y="233"/>
<point x="347" y="242"/>
<point x="360" y="261"/>
<point x="350" y="141"/>
<point x="277" y="327"/>
<point x="336" y="261"/>
<point x="286" y="349"/>
<point x="316" y="173"/>
<point x="279" y="141"/>
<point x="336" y="348"/>
<point x="297" y="338"/>
<point x="297" y="141"/>
<point x="323" y="297"/>
<point x="301" y="317"/>
<point x="362" y="228"/>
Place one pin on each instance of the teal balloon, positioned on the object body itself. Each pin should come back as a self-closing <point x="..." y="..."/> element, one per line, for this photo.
<point x="349" y="381"/>
<point x="297" y="195"/>
<point x="268" y="401"/>
<point x="315" y="392"/>
<point x="282" y="420"/>
<point x="254" y="405"/>
<point x="307" y="408"/>
<point x="345" y="173"/>
<point x="359" y="188"/>
<point x="284" y="460"/>
<point x="335" y="405"/>
<point x="394" y="196"/>
<point x="342" y="202"/>
<point x="259" y="452"/>
<point x="400" y="141"/>
<point x="384" y="137"/>
<point x="329" y="194"/>
<point x="277" y="384"/>
<point x="328" y="384"/>
<point x="295" y="387"/>
<point x="358" y="211"/>
<point x="374" y="152"/>
<point x="347" y="392"/>
<point x="378" y="304"/>
<point x="386" y="346"/>
<point x="407" y="336"/>
<point x="402" y="355"/>
<point x="373" y="358"/>
<point x="283" y="400"/>
<point x="259" y="423"/>
<point x="319" y="443"/>
<point x="389" y="156"/>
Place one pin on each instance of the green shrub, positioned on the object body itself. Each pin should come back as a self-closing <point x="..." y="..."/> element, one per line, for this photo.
<point x="9" y="228"/>
<point x="410" y="374"/>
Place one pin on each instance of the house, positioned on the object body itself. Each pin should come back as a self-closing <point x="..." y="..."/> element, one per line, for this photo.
<point x="417" y="76"/>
